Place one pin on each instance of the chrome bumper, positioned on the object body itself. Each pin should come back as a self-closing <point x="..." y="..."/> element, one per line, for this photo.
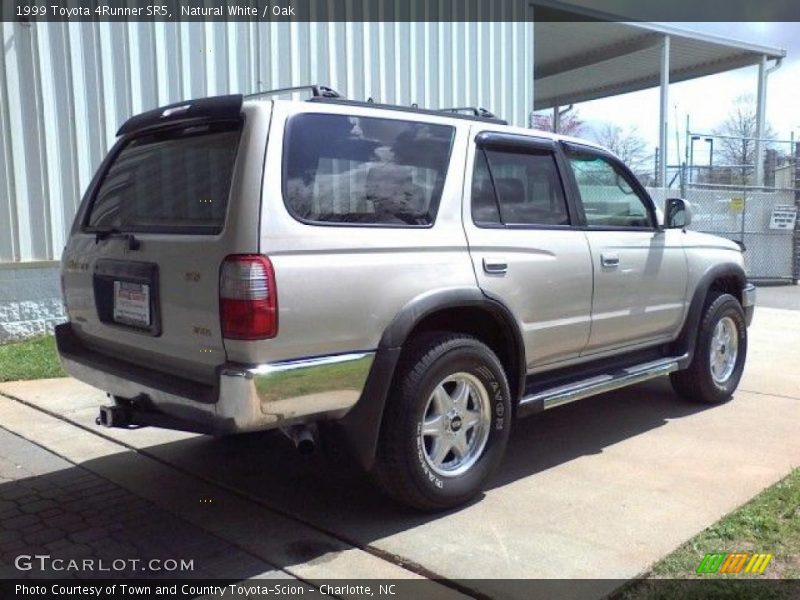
<point x="282" y="393"/>
<point x="749" y="295"/>
<point x="247" y="398"/>
<point x="749" y="302"/>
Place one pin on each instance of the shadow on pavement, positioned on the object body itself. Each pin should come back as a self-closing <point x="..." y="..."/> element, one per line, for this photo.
<point x="331" y="494"/>
<point x="69" y="523"/>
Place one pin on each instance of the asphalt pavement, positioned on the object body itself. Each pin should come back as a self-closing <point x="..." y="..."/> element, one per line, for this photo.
<point x="779" y="296"/>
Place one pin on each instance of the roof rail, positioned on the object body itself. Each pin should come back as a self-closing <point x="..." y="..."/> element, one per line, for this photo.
<point x="323" y="92"/>
<point x="317" y="91"/>
<point x="484" y="116"/>
<point x="473" y="110"/>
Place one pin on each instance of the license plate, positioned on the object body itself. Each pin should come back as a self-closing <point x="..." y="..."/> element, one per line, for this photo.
<point x="132" y="303"/>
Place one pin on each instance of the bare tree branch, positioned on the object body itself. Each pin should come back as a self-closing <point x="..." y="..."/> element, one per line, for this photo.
<point x="739" y="150"/>
<point x="570" y="123"/>
<point x="628" y="144"/>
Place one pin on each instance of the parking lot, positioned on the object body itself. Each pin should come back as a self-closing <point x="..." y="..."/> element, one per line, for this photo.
<point x="599" y="489"/>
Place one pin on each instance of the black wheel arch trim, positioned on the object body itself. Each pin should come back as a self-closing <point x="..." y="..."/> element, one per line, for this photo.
<point x="361" y="425"/>
<point x="685" y="343"/>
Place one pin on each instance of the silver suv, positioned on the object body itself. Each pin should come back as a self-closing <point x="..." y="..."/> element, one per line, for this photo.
<point x="405" y="281"/>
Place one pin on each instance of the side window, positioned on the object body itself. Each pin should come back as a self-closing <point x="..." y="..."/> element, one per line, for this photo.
<point x="607" y="196"/>
<point x="364" y="170"/>
<point x="484" y="201"/>
<point x="517" y="188"/>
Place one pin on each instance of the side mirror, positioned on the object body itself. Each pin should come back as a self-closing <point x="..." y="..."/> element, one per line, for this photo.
<point x="677" y="213"/>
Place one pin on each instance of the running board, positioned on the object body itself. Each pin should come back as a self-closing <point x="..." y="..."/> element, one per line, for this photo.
<point x="564" y="394"/>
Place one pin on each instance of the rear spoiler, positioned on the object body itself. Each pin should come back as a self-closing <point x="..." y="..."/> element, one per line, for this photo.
<point x="214" y="108"/>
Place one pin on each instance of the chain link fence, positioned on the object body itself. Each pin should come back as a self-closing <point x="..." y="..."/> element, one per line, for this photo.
<point x="755" y="216"/>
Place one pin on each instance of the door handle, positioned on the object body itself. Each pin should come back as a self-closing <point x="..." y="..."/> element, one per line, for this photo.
<point x="609" y="260"/>
<point x="495" y="266"/>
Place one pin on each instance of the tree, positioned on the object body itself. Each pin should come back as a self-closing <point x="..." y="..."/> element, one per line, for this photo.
<point x="570" y="122"/>
<point x="628" y="144"/>
<point x="739" y="147"/>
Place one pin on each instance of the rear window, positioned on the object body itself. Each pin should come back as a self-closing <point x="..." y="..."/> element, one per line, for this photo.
<point x="176" y="180"/>
<point x="363" y="170"/>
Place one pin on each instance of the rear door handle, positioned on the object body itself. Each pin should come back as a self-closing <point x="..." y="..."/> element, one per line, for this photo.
<point x="609" y="260"/>
<point x="495" y="266"/>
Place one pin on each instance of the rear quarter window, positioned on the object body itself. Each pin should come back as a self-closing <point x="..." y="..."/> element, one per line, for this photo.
<point x="174" y="180"/>
<point x="364" y="171"/>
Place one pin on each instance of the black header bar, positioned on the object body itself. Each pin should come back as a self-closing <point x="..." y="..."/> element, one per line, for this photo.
<point x="398" y="10"/>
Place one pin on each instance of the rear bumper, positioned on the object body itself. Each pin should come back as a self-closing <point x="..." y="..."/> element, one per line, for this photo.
<point x="749" y="302"/>
<point x="245" y="397"/>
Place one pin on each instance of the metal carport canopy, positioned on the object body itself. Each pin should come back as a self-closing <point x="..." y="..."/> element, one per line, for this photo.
<point x="580" y="61"/>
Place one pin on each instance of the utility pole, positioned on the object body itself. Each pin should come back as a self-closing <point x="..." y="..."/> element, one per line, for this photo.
<point x="656" y="166"/>
<point x="796" y="233"/>
<point x="686" y="152"/>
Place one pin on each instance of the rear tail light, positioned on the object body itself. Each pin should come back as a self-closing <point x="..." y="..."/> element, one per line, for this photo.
<point x="248" y="298"/>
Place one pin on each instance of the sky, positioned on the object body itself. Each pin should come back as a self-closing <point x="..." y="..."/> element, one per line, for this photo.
<point x="709" y="99"/>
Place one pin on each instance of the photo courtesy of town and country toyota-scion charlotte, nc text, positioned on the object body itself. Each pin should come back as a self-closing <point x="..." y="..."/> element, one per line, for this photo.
<point x="172" y="10"/>
<point x="235" y="590"/>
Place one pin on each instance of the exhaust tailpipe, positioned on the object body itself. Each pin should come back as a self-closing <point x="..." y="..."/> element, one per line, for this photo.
<point x="302" y="436"/>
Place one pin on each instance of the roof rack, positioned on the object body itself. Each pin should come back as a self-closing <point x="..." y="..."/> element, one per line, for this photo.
<point x="472" y="115"/>
<point x="473" y="110"/>
<point x="317" y="91"/>
<point x="323" y="93"/>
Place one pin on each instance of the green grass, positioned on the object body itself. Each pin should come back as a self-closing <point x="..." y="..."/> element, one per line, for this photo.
<point x="769" y="523"/>
<point x="32" y="359"/>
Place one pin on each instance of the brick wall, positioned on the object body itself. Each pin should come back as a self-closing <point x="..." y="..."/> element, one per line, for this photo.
<point x="30" y="300"/>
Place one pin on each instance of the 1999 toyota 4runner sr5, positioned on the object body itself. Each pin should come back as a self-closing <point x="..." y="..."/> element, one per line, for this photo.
<point x="409" y="281"/>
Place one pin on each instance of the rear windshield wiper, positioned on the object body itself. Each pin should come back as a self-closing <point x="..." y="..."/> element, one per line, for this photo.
<point x="113" y="232"/>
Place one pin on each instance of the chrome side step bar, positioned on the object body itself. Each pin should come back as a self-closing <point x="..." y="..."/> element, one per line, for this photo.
<point x="599" y="384"/>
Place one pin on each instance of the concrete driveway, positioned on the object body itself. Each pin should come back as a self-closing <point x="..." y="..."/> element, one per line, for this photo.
<point x="597" y="489"/>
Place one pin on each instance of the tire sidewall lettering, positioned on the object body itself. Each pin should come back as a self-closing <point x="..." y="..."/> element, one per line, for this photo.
<point x="495" y="390"/>
<point x="499" y="414"/>
<point x="426" y="469"/>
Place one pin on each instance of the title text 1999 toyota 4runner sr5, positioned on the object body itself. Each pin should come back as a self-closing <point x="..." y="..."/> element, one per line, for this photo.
<point x="408" y="281"/>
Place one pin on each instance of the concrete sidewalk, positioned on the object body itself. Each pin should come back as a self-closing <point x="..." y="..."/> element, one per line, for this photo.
<point x="597" y="489"/>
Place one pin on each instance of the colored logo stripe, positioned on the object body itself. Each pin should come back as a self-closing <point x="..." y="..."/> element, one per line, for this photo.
<point x="758" y="563"/>
<point x="710" y="563"/>
<point x="733" y="563"/>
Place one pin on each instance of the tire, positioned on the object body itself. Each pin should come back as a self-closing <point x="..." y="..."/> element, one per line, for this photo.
<point x="713" y="384"/>
<point x="456" y="385"/>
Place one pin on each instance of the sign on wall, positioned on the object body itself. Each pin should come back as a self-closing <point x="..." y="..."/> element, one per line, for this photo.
<point x="783" y="216"/>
